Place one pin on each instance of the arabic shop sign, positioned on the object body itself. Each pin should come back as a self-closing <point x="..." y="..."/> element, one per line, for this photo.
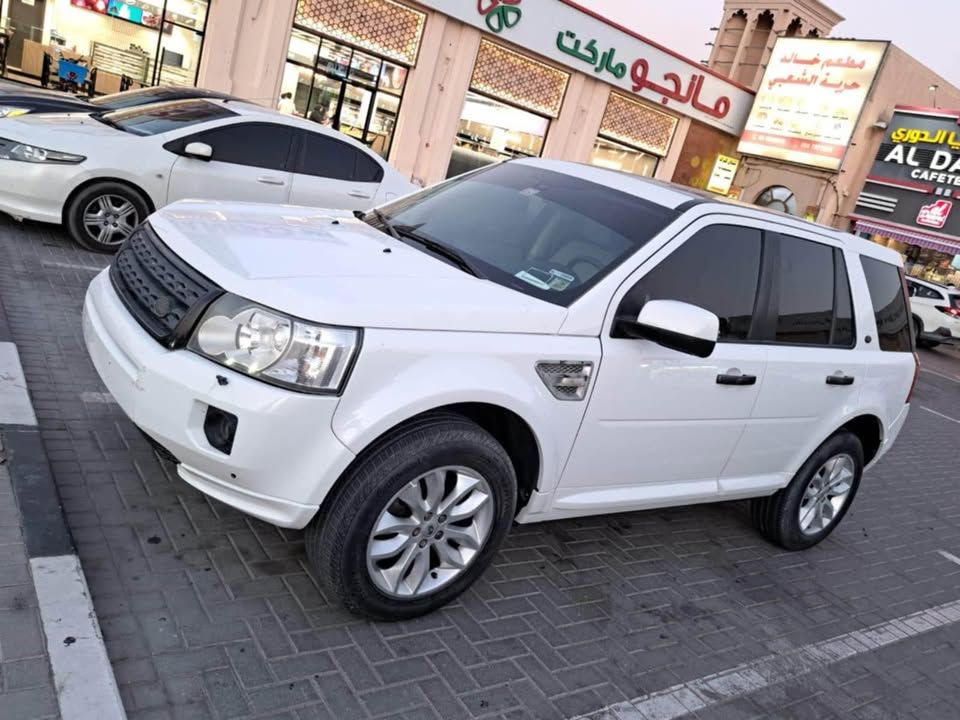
<point x="559" y="31"/>
<point x="724" y="170"/>
<point x="810" y="99"/>
<point x="915" y="178"/>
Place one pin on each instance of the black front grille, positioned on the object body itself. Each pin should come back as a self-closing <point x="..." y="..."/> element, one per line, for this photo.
<point x="164" y="294"/>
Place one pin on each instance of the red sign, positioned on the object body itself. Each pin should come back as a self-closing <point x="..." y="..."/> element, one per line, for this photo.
<point x="935" y="215"/>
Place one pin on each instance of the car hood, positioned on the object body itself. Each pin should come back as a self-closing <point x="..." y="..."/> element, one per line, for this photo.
<point x="327" y="266"/>
<point x="70" y="130"/>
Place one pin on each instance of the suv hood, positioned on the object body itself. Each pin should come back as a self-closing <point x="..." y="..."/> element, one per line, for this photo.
<point x="329" y="267"/>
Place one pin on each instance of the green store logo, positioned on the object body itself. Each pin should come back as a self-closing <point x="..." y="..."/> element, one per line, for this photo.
<point x="500" y="14"/>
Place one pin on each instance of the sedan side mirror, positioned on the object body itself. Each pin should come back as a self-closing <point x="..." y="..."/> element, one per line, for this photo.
<point x="675" y="325"/>
<point x="198" y="151"/>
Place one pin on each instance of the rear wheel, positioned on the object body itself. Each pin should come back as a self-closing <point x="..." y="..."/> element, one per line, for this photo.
<point x="102" y="216"/>
<point x="918" y="330"/>
<point x="815" y="501"/>
<point x="417" y="520"/>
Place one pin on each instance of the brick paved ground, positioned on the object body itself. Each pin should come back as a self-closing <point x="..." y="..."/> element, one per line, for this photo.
<point x="26" y="688"/>
<point x="209" y="614"/>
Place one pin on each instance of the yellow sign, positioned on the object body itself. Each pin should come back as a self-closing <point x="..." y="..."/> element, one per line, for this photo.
<point x="912" y="136"/>
<point x="721" y="178"/>
<point x="810" y="100"/>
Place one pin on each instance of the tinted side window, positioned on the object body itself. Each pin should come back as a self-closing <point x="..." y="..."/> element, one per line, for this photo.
<point x="844" y="327"/>
<point x="805" y="282"/>
<point x="889" y="305"/>
<point x="928" y="293"/>
<point x="328" y="157"/>
<point x="259" y="145"/>
<point x="717" y="269"/>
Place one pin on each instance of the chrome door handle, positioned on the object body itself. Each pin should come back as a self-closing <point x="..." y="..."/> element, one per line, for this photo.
<point x="266" y="180"/>
<point x="359" y="194"/>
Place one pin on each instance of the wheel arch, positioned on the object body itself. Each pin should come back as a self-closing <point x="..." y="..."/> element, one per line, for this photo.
<point x="151" y="206"/>
<point x="511" y="430"/>
<point x="869" y="430"/>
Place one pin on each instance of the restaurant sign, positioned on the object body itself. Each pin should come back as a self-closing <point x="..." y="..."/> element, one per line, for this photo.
<point x="562" y="31"/>
<point x="915" y="178"/>
<point x="810" y="99"/>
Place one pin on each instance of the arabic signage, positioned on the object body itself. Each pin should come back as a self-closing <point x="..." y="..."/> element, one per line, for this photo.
<point x="915" y="178"/>
<point x="810" y="100"/>
<point x="560" y="31"/>
<point x="724" y="169"/>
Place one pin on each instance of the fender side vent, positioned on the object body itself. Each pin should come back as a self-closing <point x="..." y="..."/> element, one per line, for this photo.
<point x="566" y="379"/>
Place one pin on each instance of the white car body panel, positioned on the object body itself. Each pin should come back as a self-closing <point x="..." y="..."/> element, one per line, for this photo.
<point x="925" y="308"/>
<point x="654" y="428"/>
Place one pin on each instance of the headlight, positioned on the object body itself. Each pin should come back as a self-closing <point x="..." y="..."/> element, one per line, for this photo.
<point x="11" y="150"/>
<point x="9" y="111"/>
<point x="275" y="348"/>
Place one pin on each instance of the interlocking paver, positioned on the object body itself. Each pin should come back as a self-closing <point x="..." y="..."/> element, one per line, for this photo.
<point x="210" y="614"/>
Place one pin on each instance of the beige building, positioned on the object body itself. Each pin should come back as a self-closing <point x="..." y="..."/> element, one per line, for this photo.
<point x="436" y="86"/>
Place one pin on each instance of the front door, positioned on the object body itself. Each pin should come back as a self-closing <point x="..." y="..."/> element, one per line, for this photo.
<point x="661" y="425"/>
<point x="249" y="163"/>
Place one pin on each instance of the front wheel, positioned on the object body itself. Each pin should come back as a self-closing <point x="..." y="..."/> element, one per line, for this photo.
<point x="417" y="519"/>
<point x="815" y="501"/>
<point x="102" y="216"/>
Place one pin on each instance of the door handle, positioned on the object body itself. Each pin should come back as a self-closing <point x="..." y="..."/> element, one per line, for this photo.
<point x="267" y="180"/>
<point x="359" y="194"/>
<point x="838" y="378"/>
<point x="735" y="377"/>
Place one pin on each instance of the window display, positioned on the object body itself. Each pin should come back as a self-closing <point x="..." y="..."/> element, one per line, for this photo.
<point x="618" y="156"/>
<point x="356" y="92"/>
<point x="491" y="130"/>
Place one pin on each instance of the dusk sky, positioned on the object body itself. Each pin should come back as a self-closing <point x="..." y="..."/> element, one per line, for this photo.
<point x="923" y="28"/>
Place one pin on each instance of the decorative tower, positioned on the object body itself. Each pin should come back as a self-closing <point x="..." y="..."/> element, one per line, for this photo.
<point x="750" y="28"/>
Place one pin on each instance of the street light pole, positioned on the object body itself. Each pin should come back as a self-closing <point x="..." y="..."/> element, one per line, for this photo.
<point x="933" y="89"/>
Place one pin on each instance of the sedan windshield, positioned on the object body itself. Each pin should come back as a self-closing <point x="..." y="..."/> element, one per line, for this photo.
<point x="165" y="117"/>
<point x="544" y="233"/>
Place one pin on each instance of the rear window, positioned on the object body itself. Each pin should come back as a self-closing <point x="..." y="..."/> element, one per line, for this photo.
<point x="158" y="119"/>
<point x="955" y="301"/>
<point x="889" y="305"/>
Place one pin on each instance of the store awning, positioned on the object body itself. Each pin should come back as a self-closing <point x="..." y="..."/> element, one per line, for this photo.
<point x="912" y="237"/>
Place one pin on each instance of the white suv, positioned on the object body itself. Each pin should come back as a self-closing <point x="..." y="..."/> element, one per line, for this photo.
<point x="936" y="312"/>
<point x="532" y="341"/>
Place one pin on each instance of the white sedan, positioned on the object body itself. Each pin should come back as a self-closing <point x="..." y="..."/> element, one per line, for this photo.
<point x="101" y="175"/>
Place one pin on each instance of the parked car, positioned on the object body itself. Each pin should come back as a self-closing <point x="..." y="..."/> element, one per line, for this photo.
<point x="936" y="312"/>
<point x="21" y="101"/>
<point x="531" y="341"/>
<point x="101" y="175"/>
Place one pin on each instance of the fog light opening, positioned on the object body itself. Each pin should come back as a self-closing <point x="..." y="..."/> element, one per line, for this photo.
<point x="220" y="428"/>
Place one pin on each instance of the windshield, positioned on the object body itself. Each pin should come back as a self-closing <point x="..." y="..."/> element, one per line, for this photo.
<point x="544" y="233"/>
<point x="158" y="119"/>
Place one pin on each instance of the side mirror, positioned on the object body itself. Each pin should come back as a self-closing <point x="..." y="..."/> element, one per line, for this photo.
<point x="198" y="151"/>
<point x="675" y="325"/>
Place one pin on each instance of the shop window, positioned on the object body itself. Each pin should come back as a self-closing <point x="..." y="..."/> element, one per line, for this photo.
<point x="340" y="86"/>
<point x="779" y="198"/>
<point x="490" y="131"/>
<point x="616" y="156"/>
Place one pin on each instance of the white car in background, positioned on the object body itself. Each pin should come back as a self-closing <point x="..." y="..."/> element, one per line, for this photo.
<point x="101" y="175"/>
<point x="936" y="312"/>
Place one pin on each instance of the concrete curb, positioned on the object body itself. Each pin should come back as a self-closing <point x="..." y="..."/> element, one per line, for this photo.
<point x="82" y="673"/>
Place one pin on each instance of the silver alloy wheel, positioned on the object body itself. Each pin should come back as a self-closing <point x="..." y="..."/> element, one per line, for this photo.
<point x="826" y="494"/>
<point x="109" y="219"/>
<point x="430" y="532"/>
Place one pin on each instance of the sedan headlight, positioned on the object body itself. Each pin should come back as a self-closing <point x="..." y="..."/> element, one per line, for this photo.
<point x="12" y="150"/>
<point x="9" y="111"/>
<point x="275" y="348"/>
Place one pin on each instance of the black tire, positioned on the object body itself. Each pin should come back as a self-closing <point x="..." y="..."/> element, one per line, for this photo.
<point x="100" y="196"/>
<point x="777" y="517"/>
<point x="336" y="540"/>
<point x="918" y="330"/>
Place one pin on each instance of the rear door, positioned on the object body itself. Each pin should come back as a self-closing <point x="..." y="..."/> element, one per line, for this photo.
<point x="249" y="163"/>
<point x="331" y="173"/>
<point x="814" y="369"/>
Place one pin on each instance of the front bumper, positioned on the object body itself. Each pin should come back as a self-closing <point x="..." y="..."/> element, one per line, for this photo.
<point x="34" y="191"/>
<point x="285" y="456"/>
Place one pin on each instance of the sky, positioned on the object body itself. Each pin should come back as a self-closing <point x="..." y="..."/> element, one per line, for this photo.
<point x="923" y="28"/>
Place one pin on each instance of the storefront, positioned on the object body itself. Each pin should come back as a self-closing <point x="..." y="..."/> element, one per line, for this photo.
<point x="138" y="42"/>
<point x="634" y="137"/>
<point x="907" y="202"/>
<point x="348" y="76"/>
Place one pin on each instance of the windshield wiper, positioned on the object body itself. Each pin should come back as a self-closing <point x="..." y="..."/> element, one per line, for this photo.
<point x="399" y="232"/>
<point x="102" y="117"/>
